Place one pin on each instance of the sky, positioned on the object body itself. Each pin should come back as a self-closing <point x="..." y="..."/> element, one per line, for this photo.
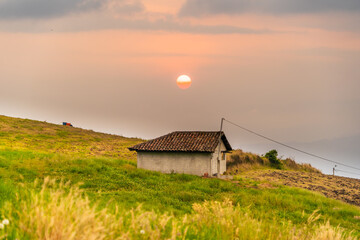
<point x="287" y="69"/>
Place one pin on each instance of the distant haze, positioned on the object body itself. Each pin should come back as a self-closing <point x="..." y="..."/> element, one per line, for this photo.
<point x="288" y="71"/>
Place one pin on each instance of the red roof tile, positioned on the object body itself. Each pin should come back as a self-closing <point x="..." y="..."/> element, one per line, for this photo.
<point x="184" y="142"/>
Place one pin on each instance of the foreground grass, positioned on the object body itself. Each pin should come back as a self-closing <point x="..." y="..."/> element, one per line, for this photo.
<point x="58" y="211"/>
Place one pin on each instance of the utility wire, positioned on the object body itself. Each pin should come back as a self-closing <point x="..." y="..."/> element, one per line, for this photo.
<point x="337" y="170"/>
<point x="285" y="145"/>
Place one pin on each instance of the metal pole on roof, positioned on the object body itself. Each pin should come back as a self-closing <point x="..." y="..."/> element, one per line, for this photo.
<point x="218" y="158"/>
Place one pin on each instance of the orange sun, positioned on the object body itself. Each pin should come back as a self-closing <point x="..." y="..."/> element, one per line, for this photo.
<point x="183" y="81"/>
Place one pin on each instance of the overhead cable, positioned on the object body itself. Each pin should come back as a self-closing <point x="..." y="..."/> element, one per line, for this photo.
<point x="337" y="170"/>
<point x="293" y="148"/>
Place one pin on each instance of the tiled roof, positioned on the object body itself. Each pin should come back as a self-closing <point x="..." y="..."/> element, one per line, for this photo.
<point x="184" y="142"/>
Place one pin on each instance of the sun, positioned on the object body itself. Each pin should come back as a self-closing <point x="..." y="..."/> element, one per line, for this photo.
<point x="183" y="81"/>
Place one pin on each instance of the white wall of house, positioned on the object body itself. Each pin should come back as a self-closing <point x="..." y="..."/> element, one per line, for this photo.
<point x="214" y="159"/>
<point x="178" y="162"/>
<point x="183" y="162"/>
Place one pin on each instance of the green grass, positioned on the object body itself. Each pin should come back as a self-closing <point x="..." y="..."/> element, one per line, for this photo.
<point x="108" y="175"/>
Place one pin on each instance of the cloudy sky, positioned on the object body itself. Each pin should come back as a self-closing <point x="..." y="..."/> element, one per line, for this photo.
<point x="288" y="69"/>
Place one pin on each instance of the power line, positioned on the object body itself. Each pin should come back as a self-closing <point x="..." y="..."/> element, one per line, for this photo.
<point x="337" y="170"/>
<point x="288" y="146"/>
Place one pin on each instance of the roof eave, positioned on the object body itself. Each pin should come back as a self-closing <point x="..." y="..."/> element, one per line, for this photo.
<point x="185" y="151"/>
<point x="226" y="142"/>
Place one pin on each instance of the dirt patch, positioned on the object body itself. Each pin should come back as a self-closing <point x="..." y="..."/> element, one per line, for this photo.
<point x="341" y="188"/>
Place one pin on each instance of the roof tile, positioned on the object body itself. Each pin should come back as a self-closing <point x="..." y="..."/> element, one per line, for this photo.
<point x="189" y="141"/>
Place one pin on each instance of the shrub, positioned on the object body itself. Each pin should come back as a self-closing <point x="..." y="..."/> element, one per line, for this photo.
<point x="272" y="156"/>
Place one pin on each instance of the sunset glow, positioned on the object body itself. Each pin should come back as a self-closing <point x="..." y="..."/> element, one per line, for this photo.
<point x="183" y="81"/>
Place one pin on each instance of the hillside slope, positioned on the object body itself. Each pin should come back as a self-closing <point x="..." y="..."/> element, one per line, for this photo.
<point x="341" y="188"/>
<point x="25" y="134"/>
<point x="108" y="175"/>
<point x="258" y="168"/>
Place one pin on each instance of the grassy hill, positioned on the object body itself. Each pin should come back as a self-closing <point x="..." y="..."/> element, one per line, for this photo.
<point x="172" y="206"/>
<point x="258" y="168"/>
<point x="342" y="188"/>
<point x="41" y="137"/>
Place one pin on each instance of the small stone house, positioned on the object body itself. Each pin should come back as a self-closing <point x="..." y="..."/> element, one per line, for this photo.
<point x="190" y="152"/>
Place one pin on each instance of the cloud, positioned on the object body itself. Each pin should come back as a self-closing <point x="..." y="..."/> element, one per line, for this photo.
<point x="123" y="7"/>
<point x="34" y="9"/>
<point x="208" y="7"/>
<point x="101" y="21"/>
<point x="87" y="15"/>
<point x="174" y="26"/>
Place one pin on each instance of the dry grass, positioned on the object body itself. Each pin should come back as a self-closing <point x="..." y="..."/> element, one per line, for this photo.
<point x="59" y="212"/>
<point x="62" y="212"/>
<point x="239" y="161"/>
<point x="327" y="232"/>
<point x="290" y="164"/>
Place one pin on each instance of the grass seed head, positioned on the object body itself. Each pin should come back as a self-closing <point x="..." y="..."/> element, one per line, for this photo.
<point x="5" y="221"/>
